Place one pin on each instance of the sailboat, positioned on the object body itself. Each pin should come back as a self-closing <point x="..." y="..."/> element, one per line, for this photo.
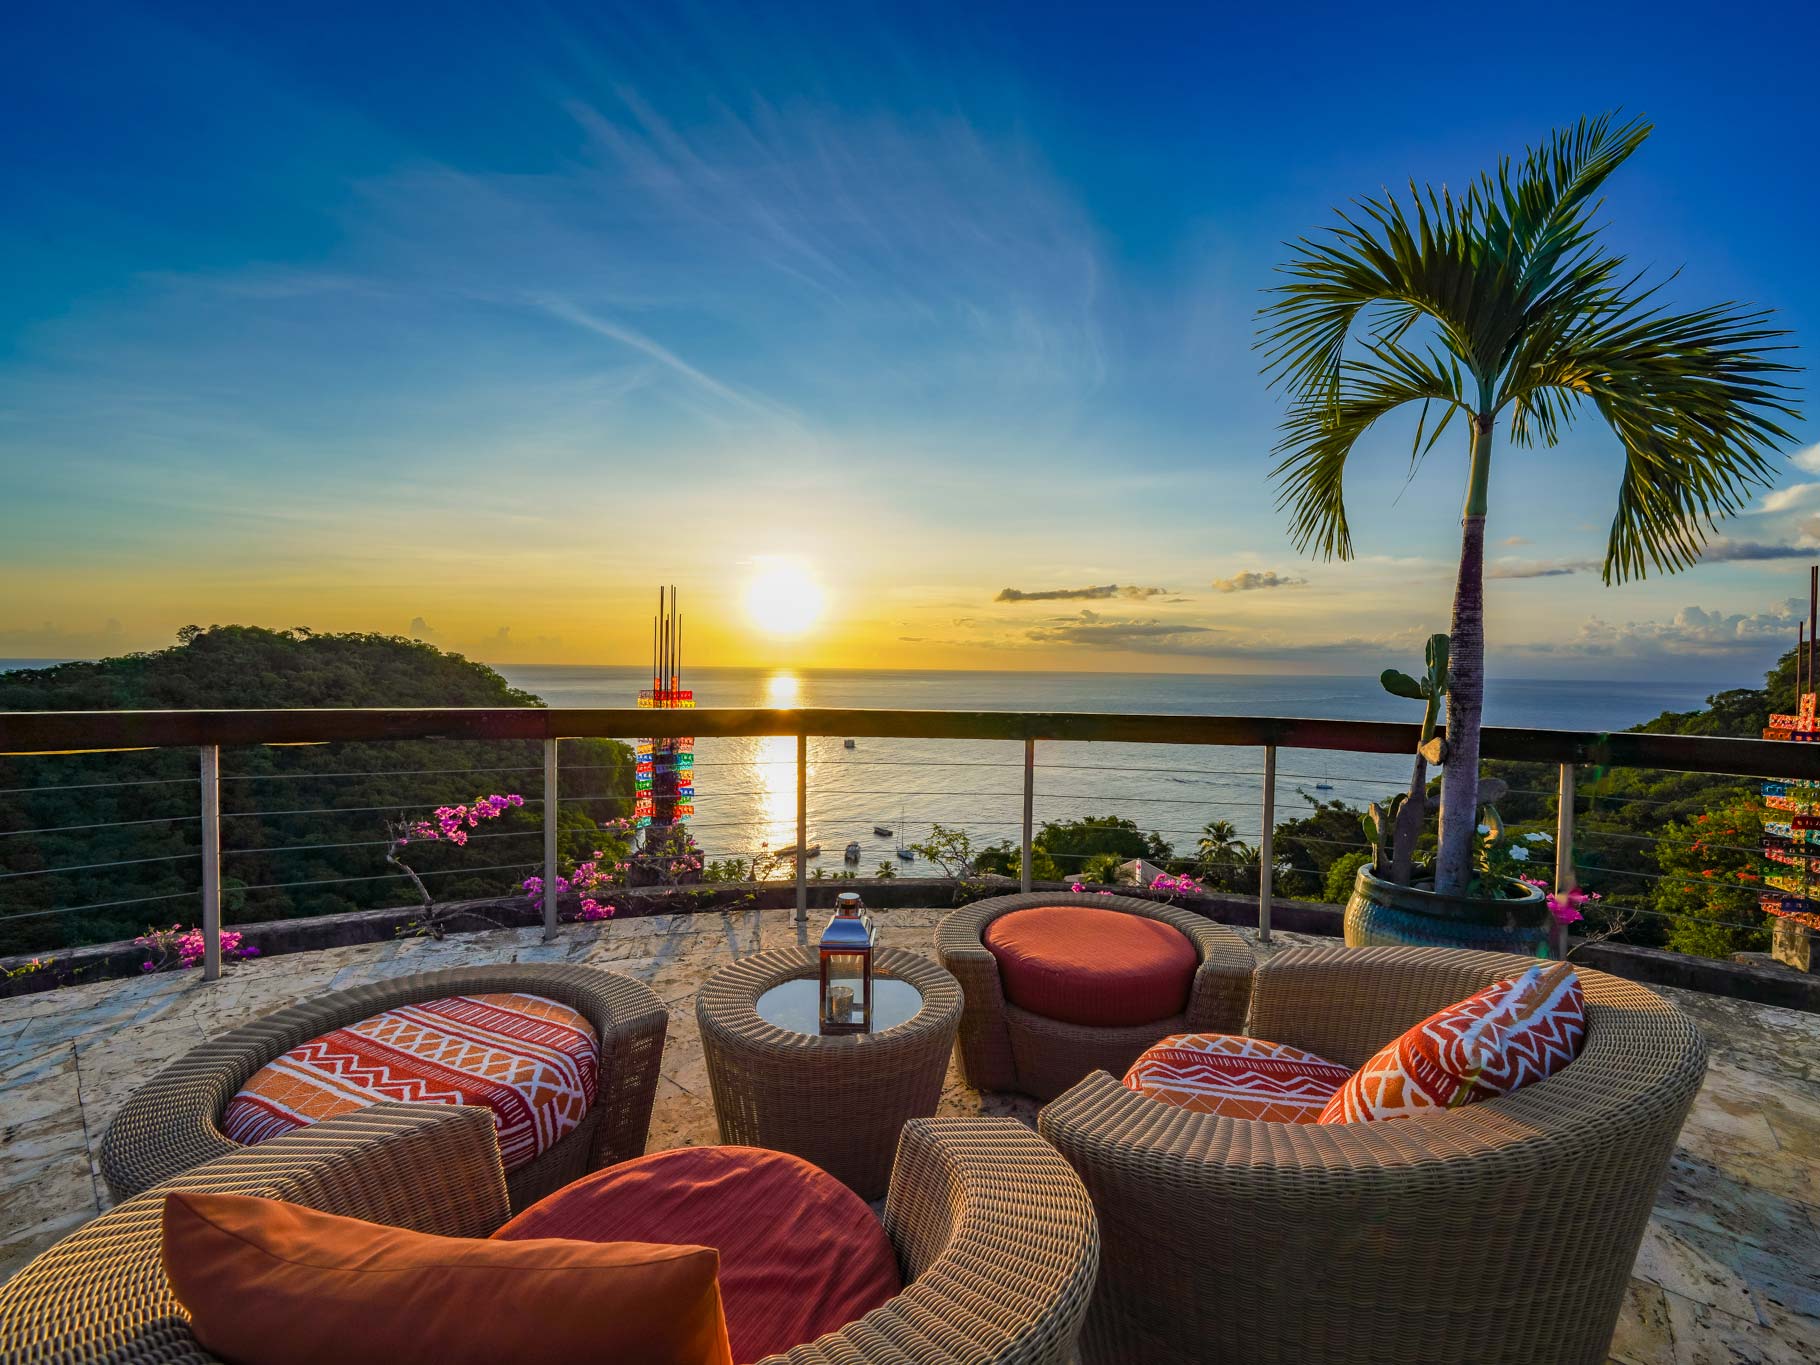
<point x="906" y="854"/>
<point x="1323" y="785"/>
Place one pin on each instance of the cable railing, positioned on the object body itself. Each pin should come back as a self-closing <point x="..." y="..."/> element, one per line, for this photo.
<point x="208" y="732"/>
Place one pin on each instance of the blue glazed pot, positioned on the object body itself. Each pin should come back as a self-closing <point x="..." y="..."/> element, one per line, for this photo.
<point x="1382" y="913"/>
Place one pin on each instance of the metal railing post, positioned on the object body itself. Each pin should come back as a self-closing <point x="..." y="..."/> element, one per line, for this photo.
<point x="1565" y="877"/>
<point x="802" y="828"/>
<point x="211" y="862"/>
<point x="1266" y="842"/>
<point x="552" y="802"/>
<point x="1029" y="812"/>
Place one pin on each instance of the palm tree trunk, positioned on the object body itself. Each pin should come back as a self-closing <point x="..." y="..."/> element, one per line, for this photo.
<point x="1466" y="688"/>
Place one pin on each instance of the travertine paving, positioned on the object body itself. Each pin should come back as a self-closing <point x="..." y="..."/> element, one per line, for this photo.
<point x="1729" y="1271"/>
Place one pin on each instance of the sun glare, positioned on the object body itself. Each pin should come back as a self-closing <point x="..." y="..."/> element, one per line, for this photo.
<point x="783" y="690"/>
<point x="783" y="597"/>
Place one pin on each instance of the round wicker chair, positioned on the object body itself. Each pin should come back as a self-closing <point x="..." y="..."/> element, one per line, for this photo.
<point x="1503" y="1232"/>
<point x="995" y="1237"/>
<point x="172" y="1123"/>
<point x="1007" y="1048"/>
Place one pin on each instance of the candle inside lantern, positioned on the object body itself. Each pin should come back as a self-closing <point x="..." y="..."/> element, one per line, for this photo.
<point x="840" y="1003"/>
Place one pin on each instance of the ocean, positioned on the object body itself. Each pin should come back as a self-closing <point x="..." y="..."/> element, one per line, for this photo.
<point x="746" y="788"/>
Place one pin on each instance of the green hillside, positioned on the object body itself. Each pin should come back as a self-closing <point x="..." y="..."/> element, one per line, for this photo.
<point x="303" y="828"/>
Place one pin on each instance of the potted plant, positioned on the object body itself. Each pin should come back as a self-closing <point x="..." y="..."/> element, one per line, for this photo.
<point x="1394" y="899"/>
<point x="1502" y="302"/>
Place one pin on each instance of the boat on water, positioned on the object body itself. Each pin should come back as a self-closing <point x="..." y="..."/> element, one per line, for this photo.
<point x="849" y="745"/>
<point x="905" y="854"/>
<point x="883" y="831"/>
<point x="852" y="853"/>
<point x="813" y="851"/>
<point x="1323" y="785"/>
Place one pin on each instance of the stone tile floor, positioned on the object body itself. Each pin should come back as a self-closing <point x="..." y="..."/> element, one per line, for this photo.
<point x="1729" y="1270"/>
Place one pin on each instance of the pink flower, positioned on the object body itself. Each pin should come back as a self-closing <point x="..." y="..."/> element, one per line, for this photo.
<point x="1566" y="906"/>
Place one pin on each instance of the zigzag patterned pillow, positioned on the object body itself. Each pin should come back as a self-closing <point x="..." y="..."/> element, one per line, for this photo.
<point x="1488" y="1044"/>
<point x="1236" y="1078"/>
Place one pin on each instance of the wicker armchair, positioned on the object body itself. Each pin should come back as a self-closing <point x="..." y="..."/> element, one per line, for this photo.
<point x="1500" y="1232"/>
<point x="172" y="1123"/>
<point x="995" y="1236"/>
<point x="1007" y="1048"/>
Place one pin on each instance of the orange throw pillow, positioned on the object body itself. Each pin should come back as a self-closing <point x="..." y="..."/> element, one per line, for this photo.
<point x="1489" y="1044"/>
<point x="271" y="1283"/>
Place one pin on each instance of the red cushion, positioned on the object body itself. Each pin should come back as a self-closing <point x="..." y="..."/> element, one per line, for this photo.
<point x="800" y="1253"/>
<point x="1083" y="965"/>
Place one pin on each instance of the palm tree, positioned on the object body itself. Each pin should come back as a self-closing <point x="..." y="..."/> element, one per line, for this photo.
<point x="1219" y="844"/>
<point x="1504" y="300"/>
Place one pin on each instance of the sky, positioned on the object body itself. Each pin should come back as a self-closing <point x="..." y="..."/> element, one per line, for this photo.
<point x="896" y="336"/>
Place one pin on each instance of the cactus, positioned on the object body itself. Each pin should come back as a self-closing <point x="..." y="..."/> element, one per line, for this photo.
<point x="1407" y="812"/>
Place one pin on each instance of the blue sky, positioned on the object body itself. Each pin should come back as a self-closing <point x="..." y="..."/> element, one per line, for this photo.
<point x="478" y="324"/>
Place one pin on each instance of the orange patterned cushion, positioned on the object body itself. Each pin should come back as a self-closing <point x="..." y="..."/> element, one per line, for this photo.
<point x="535" y="1063"/>
<point x="1489" y="1044"/>
<point x="1237" y="1078"/>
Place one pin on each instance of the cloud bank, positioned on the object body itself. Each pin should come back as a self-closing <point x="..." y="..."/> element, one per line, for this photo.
<point x="1253" y="581"/>
<point x="1095" y="594"/>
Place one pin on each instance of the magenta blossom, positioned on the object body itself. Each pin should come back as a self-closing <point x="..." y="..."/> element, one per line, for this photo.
<point x="1566" y="906"/>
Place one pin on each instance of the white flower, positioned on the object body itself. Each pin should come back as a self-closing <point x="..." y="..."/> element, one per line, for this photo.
<point x="1485" y="829"/>
<point x="1520" y="853"/>
<point x="1538" y="837"/>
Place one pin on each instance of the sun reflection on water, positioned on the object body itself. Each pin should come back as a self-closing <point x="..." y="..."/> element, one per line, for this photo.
<point x="774" y="768"/>
<point x="783" y="689"/>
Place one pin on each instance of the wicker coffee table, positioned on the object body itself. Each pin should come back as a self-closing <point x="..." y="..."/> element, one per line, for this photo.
<point x="837" y="1101"/>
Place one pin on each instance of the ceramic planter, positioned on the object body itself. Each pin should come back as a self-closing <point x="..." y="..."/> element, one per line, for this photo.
<point x="1383" y="913"/>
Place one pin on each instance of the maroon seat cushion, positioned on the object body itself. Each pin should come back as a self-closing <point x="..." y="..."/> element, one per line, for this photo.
<point x="1083" y="965"/>
<point x="800" y="1253"/>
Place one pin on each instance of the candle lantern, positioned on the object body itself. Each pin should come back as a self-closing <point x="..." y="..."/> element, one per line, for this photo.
<point x="846" y="968"/>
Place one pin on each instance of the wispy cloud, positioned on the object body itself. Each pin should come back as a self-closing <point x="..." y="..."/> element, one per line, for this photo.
<point x="1094" y="594"/>
<point x="569" y="311"/>
<point x="1097" y="633"/>
<point x="1253" y="581"/>
<point x="1516" y="569"/>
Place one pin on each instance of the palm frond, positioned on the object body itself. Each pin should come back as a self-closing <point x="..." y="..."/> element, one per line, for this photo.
<point x="1533" y="314"/>
<point x="1697" y="400"/>
<point x="1322" y="428"/>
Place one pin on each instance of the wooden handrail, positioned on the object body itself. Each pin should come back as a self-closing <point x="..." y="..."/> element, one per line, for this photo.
<point x="47" y="732"/>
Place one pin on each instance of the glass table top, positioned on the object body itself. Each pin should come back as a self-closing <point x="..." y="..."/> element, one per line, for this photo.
<point x="795" y="1005"/>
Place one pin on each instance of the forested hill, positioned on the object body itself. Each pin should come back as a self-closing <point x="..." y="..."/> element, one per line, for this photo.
<point x="1677" y="848"/>
<point x="243" y="667"/>
<point x="110" y="840"/>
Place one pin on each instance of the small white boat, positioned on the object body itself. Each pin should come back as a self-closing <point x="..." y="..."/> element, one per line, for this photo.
<point x="849" y="745"/>
<point x="852" y="853"/>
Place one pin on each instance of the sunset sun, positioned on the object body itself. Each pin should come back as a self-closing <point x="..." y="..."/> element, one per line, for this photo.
<point x="783" y="597"/>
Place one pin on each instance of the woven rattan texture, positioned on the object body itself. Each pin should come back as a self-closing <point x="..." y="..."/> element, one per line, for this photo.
<point x="1502" y="1233"/>
<point x="1005" y="1048"/>
<point x="996" y="1236"/>
<point x="173" y="1123"/>
<point x="837" y="1101"/>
